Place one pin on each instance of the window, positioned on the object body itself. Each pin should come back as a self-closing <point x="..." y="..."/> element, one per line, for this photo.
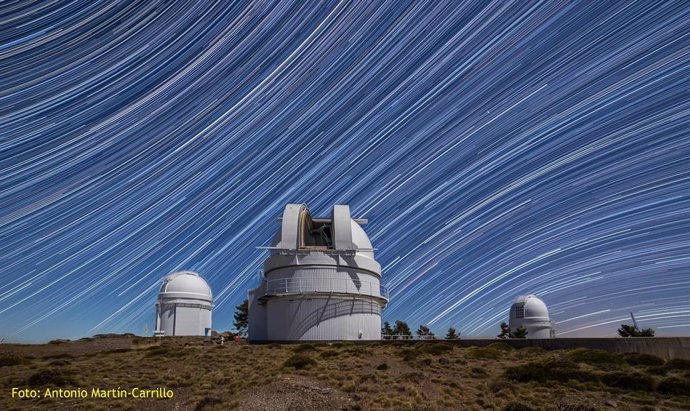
<point x="519" y="311"/>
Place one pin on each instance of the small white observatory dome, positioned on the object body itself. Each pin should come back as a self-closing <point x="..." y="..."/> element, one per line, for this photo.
<point x="184" y="305"/>
<point x="530" y="312"/>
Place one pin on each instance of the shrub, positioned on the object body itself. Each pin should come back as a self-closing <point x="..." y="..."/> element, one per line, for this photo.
<point x="207" y="403"/>
<point x="299" y="361"/>
<point x="478" y="372"/>
<point x="516" y="406"/>
<point x="415" y="377"/>
<point x="501" y="346"/>
<point x="629" y="381"/>
<point x="674" y="386"/>
<point x="12" y="361"/>
<point x="410" y="354"/>
<point x="485" y="353"/>
<point x="382" y="367"/>
<point x="436" y="348"/>
<point x="329" y="353"/>
<point x="304" y="348"/>
<point x="58" y="356"/>
<point x="636" y="359"/>
<point x="677" y="364"/>
<point x="51" y="377"/>
<point x="559" y="371"/>
<point x="661" y="370"/>
<point x="157" y="351"/>
<point x="598" y="358"/>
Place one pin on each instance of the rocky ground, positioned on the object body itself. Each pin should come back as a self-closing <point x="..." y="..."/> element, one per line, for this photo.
<point x="201" y="374"/>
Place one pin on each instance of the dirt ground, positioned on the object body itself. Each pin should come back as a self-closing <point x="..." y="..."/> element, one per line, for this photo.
<point x="198" y="374"/>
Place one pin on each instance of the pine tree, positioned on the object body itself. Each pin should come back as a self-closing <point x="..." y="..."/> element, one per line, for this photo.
<point x="425" y="333"/>
<point x="520" y="332"/>
<point x="241" y="322"/>
<point x="505" y="331"/>
<point x="632" y="331"/>
<point x="452" y="334"/>
<point x="387" y="331"/>
<point x="402" y="329"/>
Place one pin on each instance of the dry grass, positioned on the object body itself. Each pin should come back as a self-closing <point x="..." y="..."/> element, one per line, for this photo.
<point x="401" y="376"/>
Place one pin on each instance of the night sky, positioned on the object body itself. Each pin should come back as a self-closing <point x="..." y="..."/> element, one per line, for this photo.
<point x="497" y="149"/>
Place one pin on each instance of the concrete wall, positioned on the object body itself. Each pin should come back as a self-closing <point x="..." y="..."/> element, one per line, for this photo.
<point x="313" y="319"/>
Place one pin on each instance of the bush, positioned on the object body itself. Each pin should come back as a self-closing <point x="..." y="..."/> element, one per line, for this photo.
<point x="677" y="364"/>
<point x="559" y="371"/>
<point x="207" y="403"/>
<point x="661" y="370"/>
<point x="637" y="359"/>
<point x="304" y="348"/>
<point x="12" y="361"/>
<point x="157" y="351"/>
<point x="436" y="348"/>
<point x="485" y="353"/>
<point x="410" y="354"/>
<point x="52" y="378"/>
<point x="674" y="386"/>
<point x="299" y="361"/>
<point x="516" y="406"/>
<point x="501" y="346"/>
<point x="629" y="381"/>
<point x="329" y="353"/>
<point x="478" y="372"/>
<point x="382" y="367"/>
<point x="598" y="358"/>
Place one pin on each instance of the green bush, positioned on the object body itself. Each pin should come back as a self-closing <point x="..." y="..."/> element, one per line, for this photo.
<point x="629" y="381"/>
<point x="501" y="346"/>
<point x="329" y="353"/>
<point x="516" y="406"/>
<point x="637" y="359"/>
<point x="660" y="370"/>
<point x="299" y="361"/>
<point x="304" y="348"/>
<point x="597" y="358"/>
<point x="478" y="372"/>
<point x="674" y="386"/>
<point x="9" y="361"/>
<point x="435" y="348"/>
<point x="677" y="364"/>
<point x="410" y="354"/>
<point x="550" y="371"/>
<point x="485" y="353"/>
<point x="157" y="351"/>
<point x="51" y="378"/>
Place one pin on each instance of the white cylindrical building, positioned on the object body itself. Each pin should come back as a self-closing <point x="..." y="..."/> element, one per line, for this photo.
<point x="184" y="305"/>
<point x="530" y="312"/>
<point x="320" y="282"/>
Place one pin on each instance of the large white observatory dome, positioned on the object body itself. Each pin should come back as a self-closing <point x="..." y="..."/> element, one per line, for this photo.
<point x="184" y="305"/>
<point x="320" y="281"/>
<point x="530" y="312"/>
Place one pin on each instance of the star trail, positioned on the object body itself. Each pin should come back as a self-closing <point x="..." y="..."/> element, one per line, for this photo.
<point x="497" y="149"/>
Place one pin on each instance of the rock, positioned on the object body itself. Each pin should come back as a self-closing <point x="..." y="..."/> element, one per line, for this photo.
<point x="611" y="403"/>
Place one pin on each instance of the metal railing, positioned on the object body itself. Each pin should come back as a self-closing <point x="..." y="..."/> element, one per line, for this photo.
<point x="325" y="285"/>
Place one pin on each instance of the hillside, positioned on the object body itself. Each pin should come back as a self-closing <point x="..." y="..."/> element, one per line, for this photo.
<point x="202" y="374"/>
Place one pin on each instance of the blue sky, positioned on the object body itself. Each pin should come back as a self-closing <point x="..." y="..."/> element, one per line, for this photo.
<point x="496" y="149"/>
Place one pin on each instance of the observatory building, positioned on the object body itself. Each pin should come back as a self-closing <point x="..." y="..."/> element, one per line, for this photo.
<point x="320" y="281"/>
<point x="184" y="305"/>
<point x="530" y="312"/>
